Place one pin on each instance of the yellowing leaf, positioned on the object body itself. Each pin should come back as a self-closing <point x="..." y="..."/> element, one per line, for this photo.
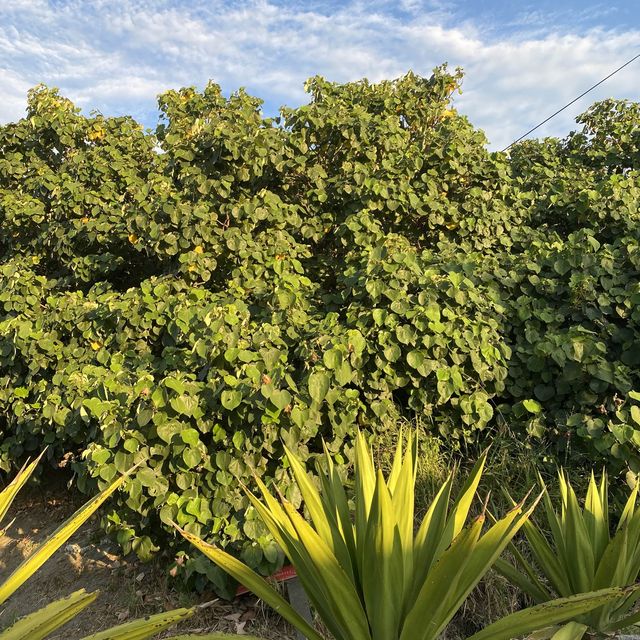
<point x="44" y="551"/>
<point x="143" y="628"/>
<point x="8" y="494"/>
<point x="96" y="134"/>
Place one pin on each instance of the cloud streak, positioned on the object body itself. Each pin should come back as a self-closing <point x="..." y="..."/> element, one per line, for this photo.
<point x="116" y="56"/>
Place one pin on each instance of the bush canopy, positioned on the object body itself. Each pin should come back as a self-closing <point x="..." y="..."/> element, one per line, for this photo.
<point x="198" y="295"/>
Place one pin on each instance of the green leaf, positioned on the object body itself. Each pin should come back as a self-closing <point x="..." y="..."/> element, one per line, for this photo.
<point x="571" y="631"/>
<point x="544" y="392"/>
<point x="547" y="614"/>
<point x="47" y="548"/>
<point x="432" y="312"/>
<point x="405" y="334"/>
<point x="561" y="266"/>
<point x="9" y="493"/>
<point x="144" y="417"/>
<point x="357" y="343"/>
<point x="392" y="353"/>
<point x="281" y="398"/>
<point x="254" y="582"/>
<point x="379" y="316"/>
<point x="143" y="628"/>
<point x="231" y="398"/>
<point x="41" y="623"/>
<point x="190" y="436"/>
<point x="184" y="405"/>
<point x="318" y="385"/>
<point x="332" y="358"/>
<point x="415" y="358"/>
<point x="532" y="406"/>
<point x="192" y="457"/>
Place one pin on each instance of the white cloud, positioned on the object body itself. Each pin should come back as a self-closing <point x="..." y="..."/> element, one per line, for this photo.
<point x="117" y="55"/>
<point x="14" y="91"/>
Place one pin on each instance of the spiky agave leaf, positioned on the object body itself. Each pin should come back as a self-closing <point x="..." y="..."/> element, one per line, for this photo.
<point x="366" y="573"/>
<point x="47" y="548"/>
<point x="9" y="493"/>
<point x="582" y="555"/>
<point x="144" y="628"/>
<point x="41" y="623"/>
<point x="252" y="581"/>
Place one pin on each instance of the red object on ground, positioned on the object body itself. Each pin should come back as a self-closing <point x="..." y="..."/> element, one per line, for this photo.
<point x="286" y="573"/>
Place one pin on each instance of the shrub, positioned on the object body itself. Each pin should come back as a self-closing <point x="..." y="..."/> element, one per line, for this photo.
<point x="194" y="296"/>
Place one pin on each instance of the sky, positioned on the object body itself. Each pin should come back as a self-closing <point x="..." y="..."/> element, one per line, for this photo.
<point x="522" y="59"/>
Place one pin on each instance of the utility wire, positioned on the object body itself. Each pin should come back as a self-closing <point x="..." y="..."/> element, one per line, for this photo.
<point x="553" y="115"/>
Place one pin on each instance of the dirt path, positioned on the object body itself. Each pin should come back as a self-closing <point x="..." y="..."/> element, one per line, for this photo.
<point x="128" y="589"/>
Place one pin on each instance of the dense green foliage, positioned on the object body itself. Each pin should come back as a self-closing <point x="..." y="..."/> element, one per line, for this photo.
<point x="197" y="295"/>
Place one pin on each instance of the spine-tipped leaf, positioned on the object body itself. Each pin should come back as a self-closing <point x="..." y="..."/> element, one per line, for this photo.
<point x="41" y="623"/>
<point x="547" y="614"/>
<point x="144" y="628"/>
<point x="9" y="493"/>
<point x="43" y="552"/>
<point x="251" y="580"/>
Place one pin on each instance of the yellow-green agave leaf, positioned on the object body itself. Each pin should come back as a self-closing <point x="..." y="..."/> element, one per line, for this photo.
<point x="45" y="550"/>
<point x="41" y="623"/>
<point x="548" y="614"/>
<point x="366" y="571"/>
<point x="143" y="628"/>
<point x="576" y="552"/>
<point x="250" y="579"/>
<point x="8" y="494"/>
<point x="571" y="631"/>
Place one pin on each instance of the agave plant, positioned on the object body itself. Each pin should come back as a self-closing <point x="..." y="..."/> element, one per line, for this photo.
<point x="582" y="555"/>
<point x="41" y="623"/>
<point x="369" y="574"/>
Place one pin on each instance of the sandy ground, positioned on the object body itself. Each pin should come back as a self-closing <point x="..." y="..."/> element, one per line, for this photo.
<point x="128" y="589"/>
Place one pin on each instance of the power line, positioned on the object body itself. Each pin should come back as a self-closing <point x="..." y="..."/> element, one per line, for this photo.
<point x="553" y="115"/>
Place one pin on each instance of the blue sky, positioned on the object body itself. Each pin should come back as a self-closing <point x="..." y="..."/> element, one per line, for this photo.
<point x="522" y="59"/>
